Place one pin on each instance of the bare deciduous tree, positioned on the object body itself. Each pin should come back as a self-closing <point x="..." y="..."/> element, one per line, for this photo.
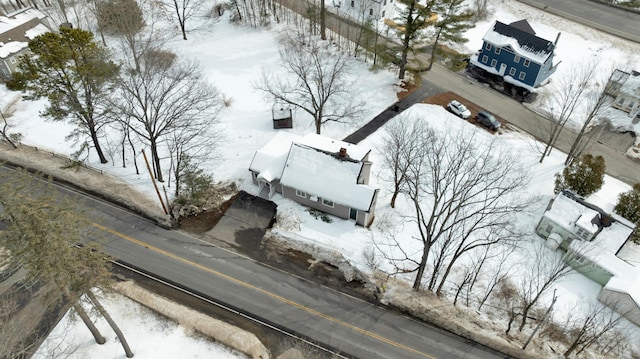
<point x="164" y="95"/>
<point x="562" y="100"/>
<point x="192" y="144"/>
<point x="586" y="329"/>
<point x="464" y="193"/>
<point x="598" y="102"/>
<point x="499" y="274"/>
<point x="9" y="137"/>
<point x="186" y="11"/>
<point x="536" y="277"/>
<point x="319" y="85"/>
<point x="400" y="148"/>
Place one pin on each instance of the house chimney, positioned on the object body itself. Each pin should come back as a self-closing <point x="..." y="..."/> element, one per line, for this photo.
<point x="557" y="38"/>
<point x="343" y="152"/>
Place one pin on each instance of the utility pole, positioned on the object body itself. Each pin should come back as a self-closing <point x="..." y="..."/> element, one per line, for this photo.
<point x="544" y="318"/>
<point x="153" y="180"/>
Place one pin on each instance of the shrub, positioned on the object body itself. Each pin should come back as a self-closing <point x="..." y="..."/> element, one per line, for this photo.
<point x="585" y="176"/>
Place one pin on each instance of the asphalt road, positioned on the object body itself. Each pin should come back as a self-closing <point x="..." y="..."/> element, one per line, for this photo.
<point x="615" y="21"/>
<point x="355" y="327"/>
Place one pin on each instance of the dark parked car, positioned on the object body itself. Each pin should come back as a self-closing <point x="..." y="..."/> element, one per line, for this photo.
<point x="488" y="120"/>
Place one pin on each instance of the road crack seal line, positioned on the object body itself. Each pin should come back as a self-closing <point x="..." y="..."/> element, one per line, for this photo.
<point x="265" y="292"/>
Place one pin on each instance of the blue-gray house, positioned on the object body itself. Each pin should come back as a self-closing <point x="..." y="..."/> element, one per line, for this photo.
<point x="514" y="53"/>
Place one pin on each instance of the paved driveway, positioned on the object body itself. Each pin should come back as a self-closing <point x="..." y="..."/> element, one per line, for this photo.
<point x="243" y="225"/>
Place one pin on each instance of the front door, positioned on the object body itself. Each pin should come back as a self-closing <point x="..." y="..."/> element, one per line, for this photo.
<point x="353" y="214"/>
<point x="503" y="69"/>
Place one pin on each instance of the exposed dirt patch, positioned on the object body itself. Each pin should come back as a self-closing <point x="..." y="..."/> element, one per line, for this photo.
<point x="203" y="222"/>
<point x="408" y="89"/>
<point x="443" y="99"/>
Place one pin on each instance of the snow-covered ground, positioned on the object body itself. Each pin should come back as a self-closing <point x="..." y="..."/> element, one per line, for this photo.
<point x="233" y="58"/>
<point x="149" y="334"/>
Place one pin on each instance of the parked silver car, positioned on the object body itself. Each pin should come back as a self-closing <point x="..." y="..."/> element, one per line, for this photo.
<point x="458" y="109"/>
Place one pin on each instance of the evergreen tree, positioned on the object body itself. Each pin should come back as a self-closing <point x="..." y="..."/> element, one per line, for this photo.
<point x="47" y="236"/>
<point x="585" y="176"/>
<point x="453" y="20"/>
<point x="414" y="18"/>
<point x="76" y="75"/>
<point x="628" y="206"/>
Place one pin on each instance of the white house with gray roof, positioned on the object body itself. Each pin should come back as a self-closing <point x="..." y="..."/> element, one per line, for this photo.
<point x="319" y="172"/>
<point x="592" y="240"/>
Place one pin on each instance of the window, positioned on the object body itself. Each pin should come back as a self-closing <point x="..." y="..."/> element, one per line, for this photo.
<point x="371" y="12"/>
<point x="301" y="194"/>
<point x="526" y="63"/>
<point x="494" y="62"/>
<point x="498" y="50"/>
<point x="512" y="71"/>
<point x="582" y="233"/>
<point x="522" y="75"/>
<point x="488" y="46"/>
<point x="621" y="101"/>
<point x="485" y="58"/>
<point x="516" y="59"/>
<point x="549" y="228"/>
<point x="327" y="203"/>
<point x="13" y="60"/>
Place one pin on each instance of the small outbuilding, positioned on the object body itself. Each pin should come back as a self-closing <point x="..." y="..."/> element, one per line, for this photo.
<point x="282" y="116"/>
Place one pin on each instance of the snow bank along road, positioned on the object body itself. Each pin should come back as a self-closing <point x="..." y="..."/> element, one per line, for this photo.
<point x="352" y="326"/>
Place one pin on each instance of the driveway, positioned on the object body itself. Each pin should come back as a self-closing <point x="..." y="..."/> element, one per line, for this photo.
<point x="244" y="223"/>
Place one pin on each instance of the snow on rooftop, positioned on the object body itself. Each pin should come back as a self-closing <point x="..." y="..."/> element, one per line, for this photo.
<point x="330" y="145"/>
<point x="501" y="40"/>
<point x="629" y="283"/>
<point x="36" y="31"/>
<point x="270" y="159"/>
<point x="602" y="250"/>
<point x="11" y="48"/>
<point x="566" y="212"/>
<point x="631" y="85"/>
<point x="326" y="176"/>
<point x="11" y="21"/>
<point x="281" y="112"/>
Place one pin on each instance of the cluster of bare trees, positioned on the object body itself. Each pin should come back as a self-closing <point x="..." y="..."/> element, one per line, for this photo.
<point x="465" y="193"/>
<point x="151" y="96"/>
<point x="577" y="96"/>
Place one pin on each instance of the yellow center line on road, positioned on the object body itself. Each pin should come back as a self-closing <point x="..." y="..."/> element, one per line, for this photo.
<point x="265" y="292"/>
